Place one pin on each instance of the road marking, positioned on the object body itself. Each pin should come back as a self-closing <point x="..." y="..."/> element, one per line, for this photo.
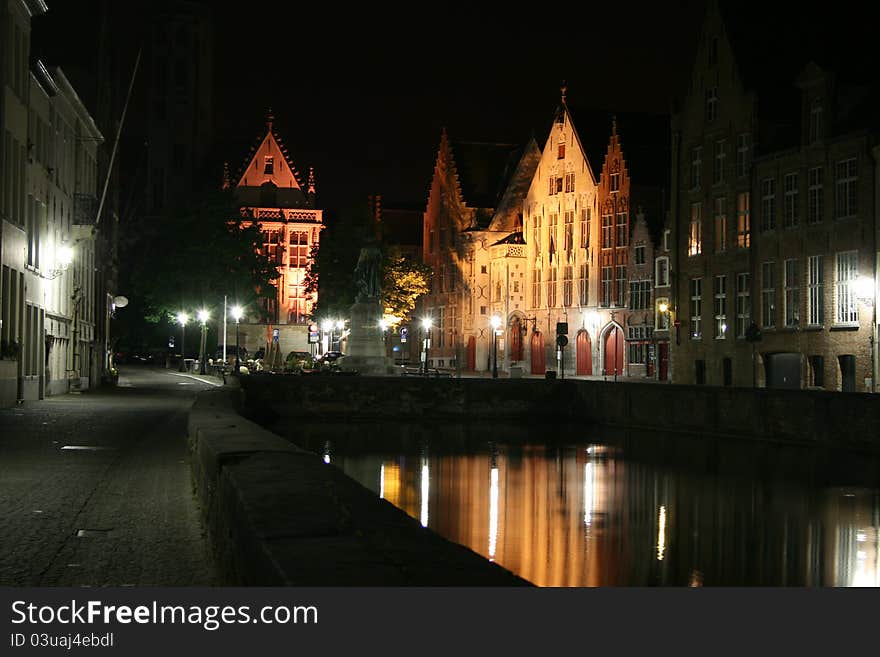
<point x="87" y="448"/>
<point x="195" y="378"/>
<point x="92" y="533"/>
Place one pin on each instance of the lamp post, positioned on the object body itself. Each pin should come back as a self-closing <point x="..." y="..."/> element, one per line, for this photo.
<point x="340" y="329"/>
<point x="236" y="315"/>
<point x="327" y="327"/>
<point x="426" y="325"/>
<point x="496" y="323"/>
<point x="203" y="318"/>
<point x="182" y="319"/>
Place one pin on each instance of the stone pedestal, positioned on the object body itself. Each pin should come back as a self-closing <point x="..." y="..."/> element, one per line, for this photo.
<point x="366" y="345"/>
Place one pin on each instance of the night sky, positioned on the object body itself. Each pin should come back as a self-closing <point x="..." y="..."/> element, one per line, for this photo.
<point x="362" y="96"/>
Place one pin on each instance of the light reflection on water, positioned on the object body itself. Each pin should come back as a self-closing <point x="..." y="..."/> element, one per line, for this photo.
<point x="583" y="515"/>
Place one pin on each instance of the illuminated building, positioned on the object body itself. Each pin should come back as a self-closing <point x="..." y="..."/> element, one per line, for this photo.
<point x="270" y="191"/>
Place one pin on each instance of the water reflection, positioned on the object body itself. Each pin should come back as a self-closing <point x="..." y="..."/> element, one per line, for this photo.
<point x="586" y="516"/>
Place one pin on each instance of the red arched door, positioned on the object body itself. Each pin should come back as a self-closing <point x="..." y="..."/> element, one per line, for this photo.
<point x="515" y="341"/>
<point x="538" y="361"/>
<point x="584" y="353"/>
<point x="614" y="351"/>
<point x="471" y="354"/>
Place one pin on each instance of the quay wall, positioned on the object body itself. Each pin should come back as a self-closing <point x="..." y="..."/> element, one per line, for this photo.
<point x="829" y="419"/>
<point x="278" y="515"/>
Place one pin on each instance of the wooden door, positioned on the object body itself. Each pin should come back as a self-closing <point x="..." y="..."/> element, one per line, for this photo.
<point x="538" y="359"/>
<point x="584" y="354"/>
<point x="614" y="352"/>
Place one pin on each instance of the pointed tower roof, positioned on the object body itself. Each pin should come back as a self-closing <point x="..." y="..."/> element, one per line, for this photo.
<point x="269" y="164"/>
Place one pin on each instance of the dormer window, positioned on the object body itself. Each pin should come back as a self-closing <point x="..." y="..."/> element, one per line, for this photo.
<point x="269" y="166"/>
<point x="615" y="182"/>
<point x="815" y="121"/>
<point x="560" y="153"/>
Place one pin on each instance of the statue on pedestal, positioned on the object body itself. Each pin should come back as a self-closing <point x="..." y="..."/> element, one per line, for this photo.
<point x="368" y="273"/>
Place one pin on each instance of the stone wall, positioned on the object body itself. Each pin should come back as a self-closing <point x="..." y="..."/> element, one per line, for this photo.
<point x="278" y="515"/>
<point x="793" y="416"/>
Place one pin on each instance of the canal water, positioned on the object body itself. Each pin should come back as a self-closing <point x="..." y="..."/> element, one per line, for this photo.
<point x="604" y="508"/>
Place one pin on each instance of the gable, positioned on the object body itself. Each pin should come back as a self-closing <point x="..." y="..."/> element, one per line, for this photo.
<point x="269" y="164"/>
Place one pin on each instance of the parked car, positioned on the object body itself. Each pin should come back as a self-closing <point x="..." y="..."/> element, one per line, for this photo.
<point x="297" y="361"/>
<point x="330" y="360"/>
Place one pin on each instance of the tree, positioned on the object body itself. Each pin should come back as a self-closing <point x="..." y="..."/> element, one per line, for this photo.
<point x="191" y="258"/>
<point x="403" y="283"/>
<point x="333" y="263"/>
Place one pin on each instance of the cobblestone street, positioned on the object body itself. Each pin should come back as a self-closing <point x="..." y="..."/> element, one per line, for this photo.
<point x="96" y="490"/>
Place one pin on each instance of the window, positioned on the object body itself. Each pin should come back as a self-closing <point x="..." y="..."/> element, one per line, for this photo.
<point x="569" y="182"/>
<point x="269" y="164"/>
<point x="638" y="337"/>
<point x="743" y="143"/>
<point x="661" y="273"/>
<point x="768" y="204"/>
<point x="607" y="284"/>
<point x="719" y="162"/>
<point x="768" y="294"/>
<point x="666" y="234"/>
<point x="695" y="235"/>
<point x="437" y="330"/>
<point x="639" y="295"/>
<point x="607" y="230"/>
<point x="551" y="288"/>
<point x="552" y="186"/>
<point x="792" y="293"/>
<point x="583" y="285"/>
<point x="551" y="234"/>
<point x="621" y="285"/>
<point x="846" y="309"/>
<point x="815" y="197"/>
<point x="567" y="284"/>
<point x="639" y="255"/>
<point x="441" y="281"/>
<point x="568" y="237"/>
<point x="585" y="228"/>
<point x="661" y="317"/>
<point x="536" y="289"/>
<point x="845" y="192"/>
<point x="559" y="185"/>
<point x="815" y="121"/>
<point x="696" y="308"/>
<point x="615" y="182"/>
<point x="536" y="235"/>
<point x="815" y="307"/>
<point x="560" y="151"/>
<point x="711" y="104"/>
<point x="720" y="224"/>
<point x="720" y="307"/>
<point x="482" y="269"/>
<point x="431" y="241"/>
<point x="622" y="229"/>
<point x="696" y="166"/>
<point x="743" y="304"/>
<point x="790" y="201"/>
<point x="299" y="248"/>
<point x="743" y="220"/>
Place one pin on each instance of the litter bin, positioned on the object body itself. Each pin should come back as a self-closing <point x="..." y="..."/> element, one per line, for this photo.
<point x="550" y="374"/>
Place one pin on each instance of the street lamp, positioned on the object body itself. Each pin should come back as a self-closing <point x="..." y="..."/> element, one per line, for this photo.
<point x="182" y="319"/>
<point x="496" y="323"/>
<point x="236" y="315"/>
<point x="327" y="327"/>
<point x="426" y="325"/>
<point x="203" y="318"/>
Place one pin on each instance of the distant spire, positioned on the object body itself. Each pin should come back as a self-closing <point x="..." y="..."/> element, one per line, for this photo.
<point x="269" y="119"/>
<point x="614" y="125"/>
<point x="227" y="183"/>
<point x="311" y="187"/>
<point x="563" y="89"/>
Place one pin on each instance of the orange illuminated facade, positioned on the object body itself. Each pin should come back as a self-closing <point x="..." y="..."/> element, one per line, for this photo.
<point x="269" y="190"/>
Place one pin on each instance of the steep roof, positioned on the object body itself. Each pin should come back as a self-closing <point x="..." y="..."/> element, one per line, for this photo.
<point x="255" y="170"/>
<point x="484" y="169"/>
